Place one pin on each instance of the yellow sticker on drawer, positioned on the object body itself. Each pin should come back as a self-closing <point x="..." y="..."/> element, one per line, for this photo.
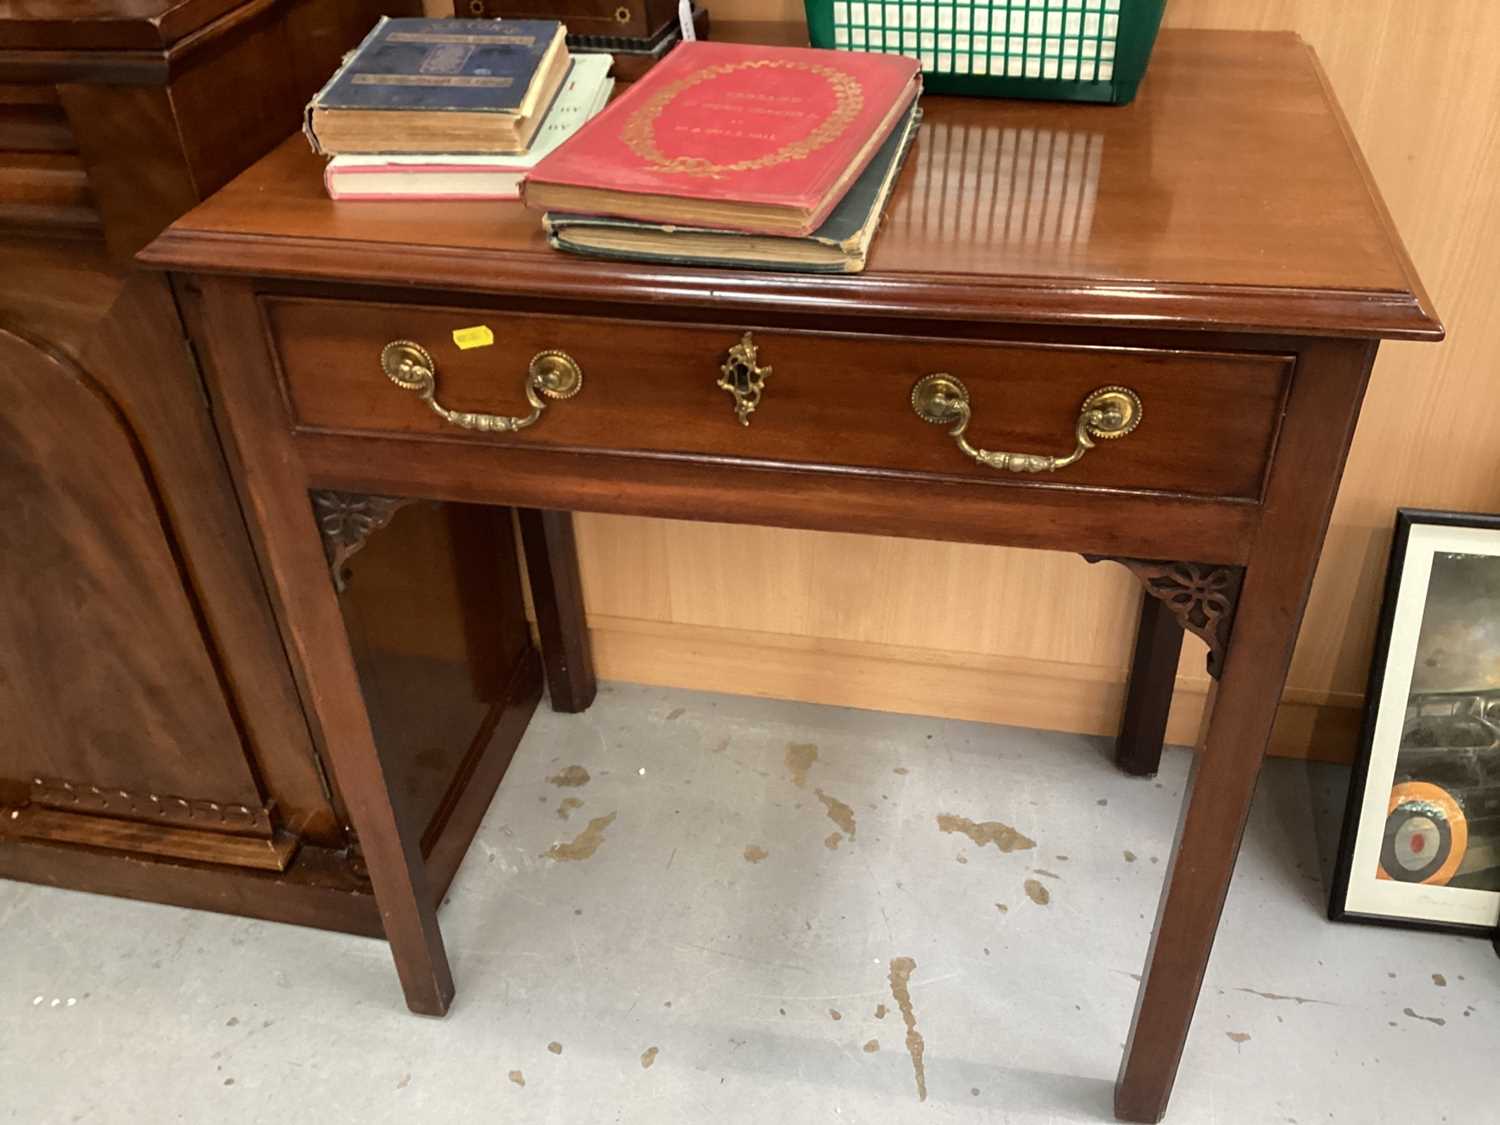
<point x="479" y="336"/>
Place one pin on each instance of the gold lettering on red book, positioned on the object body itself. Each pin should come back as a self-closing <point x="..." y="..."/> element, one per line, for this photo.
<point x="639" y="133"/>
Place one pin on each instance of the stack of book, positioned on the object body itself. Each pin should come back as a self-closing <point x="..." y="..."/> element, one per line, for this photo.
<point x="451" y="109"/>
<point x="726" y="154"/>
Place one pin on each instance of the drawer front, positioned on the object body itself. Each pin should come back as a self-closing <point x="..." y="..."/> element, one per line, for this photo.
<point x="1207" y="425"/>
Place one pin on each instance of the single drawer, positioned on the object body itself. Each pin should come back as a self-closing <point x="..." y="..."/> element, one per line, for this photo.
<point x="1207" y="421"/>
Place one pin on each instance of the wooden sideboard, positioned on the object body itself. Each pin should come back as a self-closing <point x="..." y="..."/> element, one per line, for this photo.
<point x="1225" y="354"/>
<point x="155" y="742"/>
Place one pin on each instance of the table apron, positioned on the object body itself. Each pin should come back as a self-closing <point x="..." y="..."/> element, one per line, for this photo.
<point x="1001" y="513"/>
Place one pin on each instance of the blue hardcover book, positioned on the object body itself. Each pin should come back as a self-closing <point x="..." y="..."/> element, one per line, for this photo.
<point x="441" y="85"/>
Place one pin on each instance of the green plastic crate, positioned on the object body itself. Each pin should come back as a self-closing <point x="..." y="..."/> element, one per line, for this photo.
<point x="1065" y="50"/>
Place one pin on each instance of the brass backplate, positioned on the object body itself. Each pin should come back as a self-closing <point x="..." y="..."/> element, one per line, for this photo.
<point x="556" y="374"/>
<point x="406" y="364"/>
<point x="939" y="398"/>
<point x="1119" y="412"/>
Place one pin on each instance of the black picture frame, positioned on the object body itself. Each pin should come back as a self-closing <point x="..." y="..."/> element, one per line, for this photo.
<point x="1339" y="909"/>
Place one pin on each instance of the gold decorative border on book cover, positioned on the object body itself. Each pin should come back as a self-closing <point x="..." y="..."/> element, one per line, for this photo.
<point x="639" y="133"/>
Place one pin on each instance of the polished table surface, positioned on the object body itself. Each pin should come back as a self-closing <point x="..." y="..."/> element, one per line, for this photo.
<point x="1218" y="245"/>
<point x="1229" y="194"/>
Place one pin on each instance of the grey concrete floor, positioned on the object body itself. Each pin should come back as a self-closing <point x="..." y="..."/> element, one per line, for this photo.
<point x="759" y="987"/>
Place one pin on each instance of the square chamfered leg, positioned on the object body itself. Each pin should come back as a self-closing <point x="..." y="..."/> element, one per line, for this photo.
<point x="1323" y="408"/>
<point x="1148" y="695"/>
<point x="557" y="597"/>
<point x="274" y="489"/>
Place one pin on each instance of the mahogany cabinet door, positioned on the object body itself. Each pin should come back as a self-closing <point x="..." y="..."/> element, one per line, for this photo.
<point x="108" y="684"/>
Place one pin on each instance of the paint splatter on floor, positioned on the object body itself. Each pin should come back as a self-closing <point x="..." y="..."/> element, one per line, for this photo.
<point x="648" y="1056"/>
<point x="1036" y="892"/>
<point x="565" y="809"/>
<point x="800" y="757"/>
<point x="833" y="840"/>
<point x="754" y="853"/>
<point x="901" y="770"/>
<point x="872" y="1046"/>
<point x="900" y="977"/>
<point x="1440" y="980"/>
<point x="518" y="1078"/>
<point x="1129" y="856"/>
<point x="1426" y="1019"/>
<point x="1239" y="1036"/>
<point x="571" y="778"/>
<point x="555" y="1047"/>
<point x="838" y="812"/>
<point x="1000" y="906"/>
<point x="1003" y="836"/>
<point x="585" y="844"/>
<point x="880" y="1010"/>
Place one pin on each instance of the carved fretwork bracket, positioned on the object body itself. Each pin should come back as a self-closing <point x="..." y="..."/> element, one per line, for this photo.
<point x="346" y="520"/>
<point x="1201" y="596"/>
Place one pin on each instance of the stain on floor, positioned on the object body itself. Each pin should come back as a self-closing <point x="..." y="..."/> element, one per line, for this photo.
<point x="1129" y="856"/>
<point x="754" y="853"/>
<point x="900" y="977"/>
<point x="800" y="757"/>
<point x="565" y="809"/>
<point x="518" y="1078"/>
<point x="838" y="812"/>
<point x="1003" y="836"/>
<point x="1438" y="1020"/>
<point x="1440" y="980"/>
<point x="880" y="1010"/>
<point x="872" y="1046"/>
<point x="571" y="778"/>
<point x="1238" y="1036"/>
<point x="1036" y="892"/>
<point x="585" y="844"/>
<point x="555" y="1047"/>
<point x="833" y="840"/>
<point x="1298" y="1000"/>
<point x="648" y="1056"/>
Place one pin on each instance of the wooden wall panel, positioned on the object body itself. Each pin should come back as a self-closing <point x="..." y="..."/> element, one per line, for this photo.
<point x="990" y="634"/>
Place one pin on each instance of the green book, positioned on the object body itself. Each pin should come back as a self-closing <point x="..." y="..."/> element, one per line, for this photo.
<point x="840" y="245"/>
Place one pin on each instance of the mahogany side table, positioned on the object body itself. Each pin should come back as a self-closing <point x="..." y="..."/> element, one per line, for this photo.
<point x="1166" y="314"/>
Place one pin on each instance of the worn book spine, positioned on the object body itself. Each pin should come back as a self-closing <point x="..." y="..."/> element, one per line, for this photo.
<point x="437" y="66"/>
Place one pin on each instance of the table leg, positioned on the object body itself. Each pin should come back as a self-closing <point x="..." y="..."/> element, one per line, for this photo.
<point x="274" y="491"/>
<point x="557" y="596"/>
<point x="1148" y="696"/>
<point x="1322" y="409"/>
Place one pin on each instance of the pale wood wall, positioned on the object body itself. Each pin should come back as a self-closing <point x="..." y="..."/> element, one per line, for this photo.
<point x="1042" y="639"/>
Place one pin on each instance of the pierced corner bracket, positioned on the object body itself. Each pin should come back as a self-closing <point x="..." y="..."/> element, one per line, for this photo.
<point x="346" y="520"/>
<point x="1203" y="598"/>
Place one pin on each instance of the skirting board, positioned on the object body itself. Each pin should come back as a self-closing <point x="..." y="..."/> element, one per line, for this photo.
<point x="1085" y="699"/>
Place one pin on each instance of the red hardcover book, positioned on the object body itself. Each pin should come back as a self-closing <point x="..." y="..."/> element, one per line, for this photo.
<point x="733" y="137"/>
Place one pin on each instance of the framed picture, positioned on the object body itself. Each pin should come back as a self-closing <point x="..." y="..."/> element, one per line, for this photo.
<point x="1421" y="840"/>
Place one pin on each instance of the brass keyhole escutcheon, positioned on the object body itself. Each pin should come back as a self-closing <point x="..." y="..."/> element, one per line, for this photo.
<point x="743" y="377"/>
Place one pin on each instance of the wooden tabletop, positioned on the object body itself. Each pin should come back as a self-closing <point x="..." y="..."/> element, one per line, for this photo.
<point x="1229" y="195"/>
<point x="105" y="24"/>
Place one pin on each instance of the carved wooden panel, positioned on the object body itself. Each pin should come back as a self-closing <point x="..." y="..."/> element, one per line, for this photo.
<point x="104" y="670"/>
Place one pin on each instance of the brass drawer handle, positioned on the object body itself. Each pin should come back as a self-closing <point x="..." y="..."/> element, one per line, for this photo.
<point x="1108" y="413"/>
<point x="555" y="375"/>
